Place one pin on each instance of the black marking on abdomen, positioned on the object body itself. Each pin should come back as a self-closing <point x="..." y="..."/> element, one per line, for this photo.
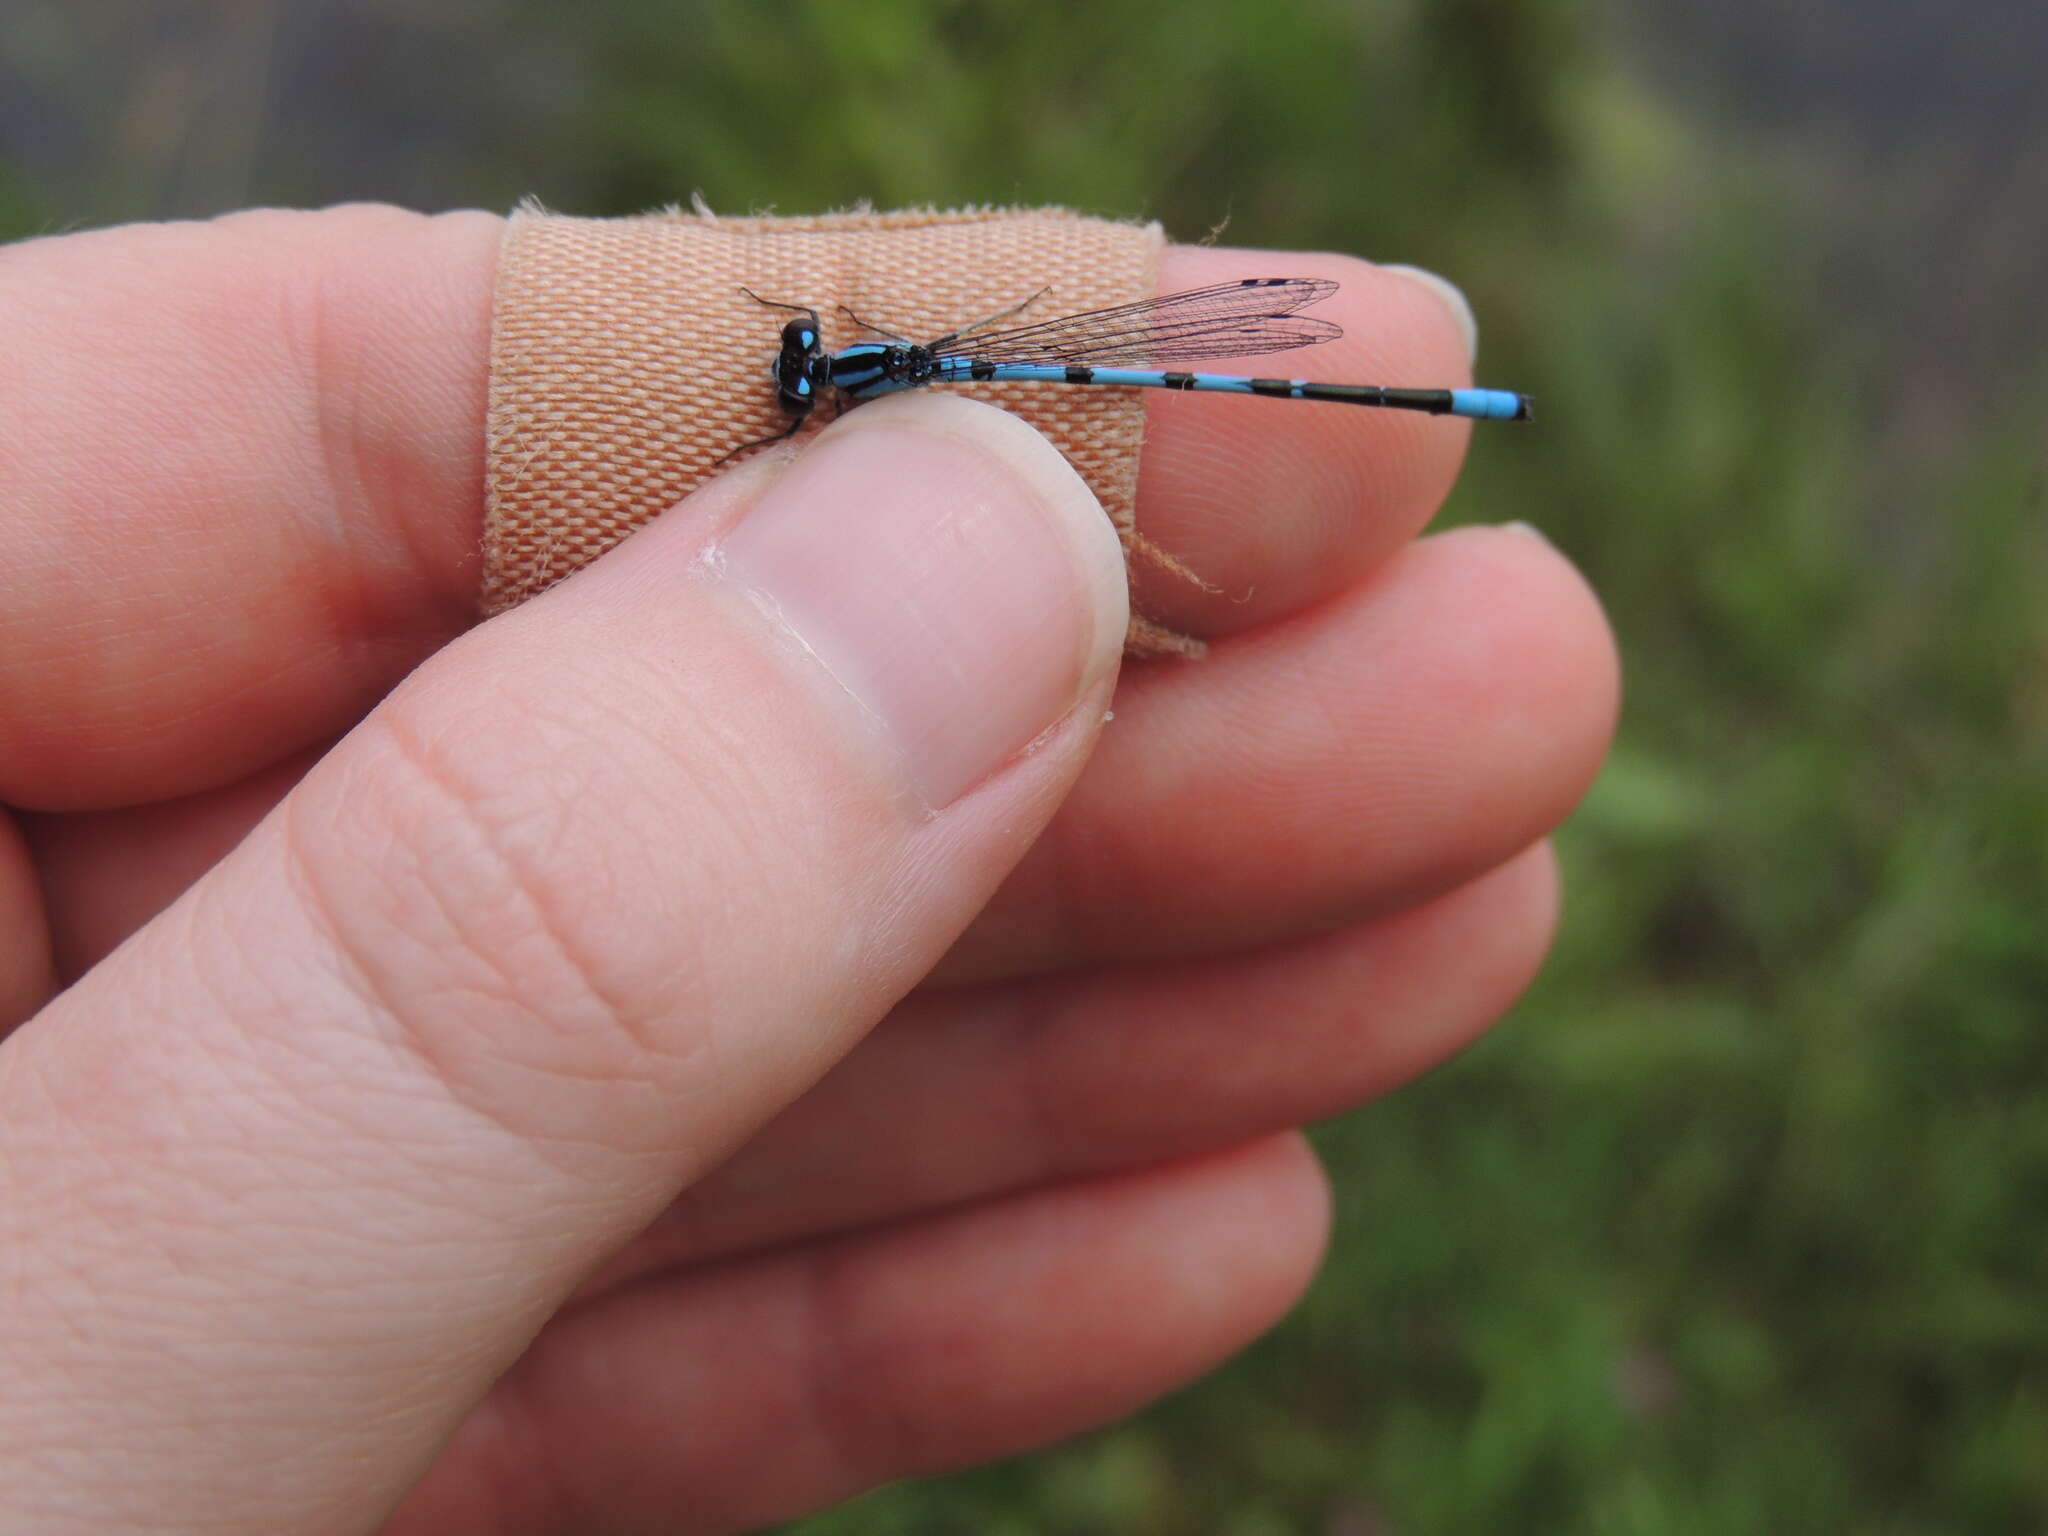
<point x="1177" y="380"/>
<point x="981" y="368"/>
<point x="1079" y="375"/>
<point x="1283" y="388"/>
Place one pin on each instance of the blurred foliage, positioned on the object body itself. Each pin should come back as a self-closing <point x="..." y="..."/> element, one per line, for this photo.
<point x="1741" y="1223"/>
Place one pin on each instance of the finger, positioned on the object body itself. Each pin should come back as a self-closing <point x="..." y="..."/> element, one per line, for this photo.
<point x="1371" y="754"/>
<point x="729" y="1398"/>
<point x="1279" y="504"/>
<point x="241" y="485"/>
<point x="1379" y="751"/>
<point x="27" y="969"/>
<point x="106" y="873"/>
<point x="597" y="892"/>
<point x="970" y="1094"/>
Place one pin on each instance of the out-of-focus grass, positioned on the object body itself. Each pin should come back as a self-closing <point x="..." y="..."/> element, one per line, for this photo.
<point x="1741" y="1223"/>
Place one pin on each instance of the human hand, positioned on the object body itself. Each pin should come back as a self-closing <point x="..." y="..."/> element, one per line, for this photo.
<point x="498" y="1127"/>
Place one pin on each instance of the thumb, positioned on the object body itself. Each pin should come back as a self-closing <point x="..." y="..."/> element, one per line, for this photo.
<point x="289" y="1179"/>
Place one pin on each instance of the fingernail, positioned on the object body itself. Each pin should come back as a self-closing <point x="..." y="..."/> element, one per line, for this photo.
<point x="952" y="573"/>
<point x="1453" y="299"/>
<point x="1527" y="530"/>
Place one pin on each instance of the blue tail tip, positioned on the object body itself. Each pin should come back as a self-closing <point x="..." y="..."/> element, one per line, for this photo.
<point x="1490" y="404"/>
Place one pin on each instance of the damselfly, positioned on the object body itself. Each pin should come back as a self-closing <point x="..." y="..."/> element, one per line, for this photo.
<point x="1240" y="319"/>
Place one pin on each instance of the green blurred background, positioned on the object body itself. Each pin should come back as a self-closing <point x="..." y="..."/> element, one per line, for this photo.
<point x="1741" y="1222"/>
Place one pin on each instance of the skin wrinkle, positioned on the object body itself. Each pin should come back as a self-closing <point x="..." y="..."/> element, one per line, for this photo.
<point x="841" y="1392"/>
<point x="1059" y="1118"/>
<point x="164" y="1106"/>
<point x="386" y="458"/>
<point x="1034" y="1013"/>
<point x="333" y="380"/>
<point x="326" y="386"/>
<point x="358" y="1090"/>
<point x="77" y="1270"/>
<point x="370" y="608"/>
<point x="743" y="836"/>
<point x="259" y="1188"/>
<point x="199" y="1362"/>
<point x="438" y="772"/>
<point x="258" y="1199"/>
<point x="414" y="1038"/>
<point x="416" y="475"/>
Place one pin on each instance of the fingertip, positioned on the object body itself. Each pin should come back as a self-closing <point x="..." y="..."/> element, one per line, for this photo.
<point x="1280" y="504"/>
<point x="1300" y="1204"/>
<point x="952" y="573"/>
<point x="1508" y="920"/>
<point x="1571" y="624"/>
<point x="1450" y="296"/>
<point x="1065" y="499"/>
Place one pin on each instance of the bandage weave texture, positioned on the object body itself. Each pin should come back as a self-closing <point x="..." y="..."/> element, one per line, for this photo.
<point x="625" y="361"/>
